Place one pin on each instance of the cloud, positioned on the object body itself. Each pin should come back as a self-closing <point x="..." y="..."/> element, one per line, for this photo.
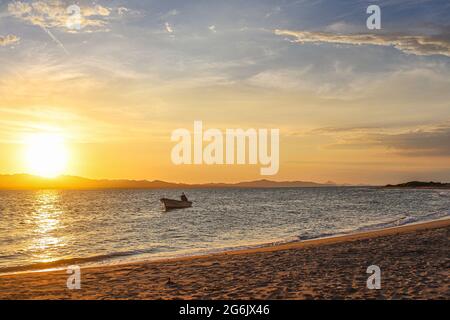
<point x="97" y="10"/>
<point x="274" y="11"/>
<point x="282" y="79"/>
<point x="8" y="40"/>
<point x="169" y="28"/>
<point x="412" y="44"/>
<point x="427" y="141"/>
<point x="54" y="14"/>
<point x="171" y="13"/>
<point x="212" y="28"/>
<point x="342" y="27"/>
<point x="122" y="10"/>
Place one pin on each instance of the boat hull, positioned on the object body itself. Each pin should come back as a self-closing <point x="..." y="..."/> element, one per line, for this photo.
<point x="170" y="204"/>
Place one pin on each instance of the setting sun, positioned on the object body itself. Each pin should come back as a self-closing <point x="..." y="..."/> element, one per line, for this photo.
<point x="46" y="155"/>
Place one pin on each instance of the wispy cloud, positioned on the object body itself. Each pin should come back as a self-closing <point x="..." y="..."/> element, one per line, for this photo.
<point x="122" y="10"/>
<point x="59" y="43"/>
<point x="169" y="28"/>
<point x="171" y="13"/>
<point x="212" y="28"/>
<point x="54" y="14"/>
<point x="423" y="142"/>
<point x="414" y="142"/>
<point x="8" y="40"/>
<point x="413" y="44"/>
<point x="273" y="11"/>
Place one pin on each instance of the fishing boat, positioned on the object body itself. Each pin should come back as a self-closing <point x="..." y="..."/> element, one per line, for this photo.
<point x="170" y="204"/>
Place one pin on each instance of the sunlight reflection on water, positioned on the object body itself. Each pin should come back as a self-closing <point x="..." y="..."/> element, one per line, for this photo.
<point x="46" y="218"/>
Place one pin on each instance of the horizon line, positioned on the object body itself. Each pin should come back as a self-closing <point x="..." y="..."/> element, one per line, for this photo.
<point x="189" y="184"/>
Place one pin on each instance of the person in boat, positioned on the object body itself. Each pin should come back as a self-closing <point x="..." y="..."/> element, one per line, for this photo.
<point x="183" y="197"/>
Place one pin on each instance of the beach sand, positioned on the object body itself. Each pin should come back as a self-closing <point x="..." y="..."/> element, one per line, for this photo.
<point x="414" y="262"/>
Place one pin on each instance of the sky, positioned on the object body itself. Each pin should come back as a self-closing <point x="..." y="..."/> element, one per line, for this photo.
<point x="353" y="105"/>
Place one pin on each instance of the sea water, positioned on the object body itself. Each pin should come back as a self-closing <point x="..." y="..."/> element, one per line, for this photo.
<point x="51" y="228"/>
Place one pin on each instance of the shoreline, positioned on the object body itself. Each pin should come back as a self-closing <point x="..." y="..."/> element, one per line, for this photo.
<point x="250" y="248"/>
<point x="413" y="258"/>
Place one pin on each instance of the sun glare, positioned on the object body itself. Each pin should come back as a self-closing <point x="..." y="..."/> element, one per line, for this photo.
<point x="46" y="155"/>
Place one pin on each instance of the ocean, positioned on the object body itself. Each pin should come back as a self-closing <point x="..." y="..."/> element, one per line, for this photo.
<point x="52" y="229"/>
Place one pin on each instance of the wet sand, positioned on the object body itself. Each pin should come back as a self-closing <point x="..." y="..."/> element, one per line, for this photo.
<point x="414" y="262"/>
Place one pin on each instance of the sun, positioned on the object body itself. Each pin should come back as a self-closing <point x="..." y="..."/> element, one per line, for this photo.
<point x="46" y="155"/>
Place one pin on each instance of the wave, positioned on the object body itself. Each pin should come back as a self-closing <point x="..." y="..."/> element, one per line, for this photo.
<point x="71" y="261"/>
<point x="157" y="254"/>
<point x="404" y="220"/>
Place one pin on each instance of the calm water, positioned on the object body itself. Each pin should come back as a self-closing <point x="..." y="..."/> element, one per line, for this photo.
<point x="67" y="227"/>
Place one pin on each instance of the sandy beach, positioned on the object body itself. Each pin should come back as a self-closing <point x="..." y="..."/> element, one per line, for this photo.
<point x="414" y="262"/>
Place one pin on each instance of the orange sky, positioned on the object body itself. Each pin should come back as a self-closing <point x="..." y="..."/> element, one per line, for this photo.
<point x="115" y="90"/>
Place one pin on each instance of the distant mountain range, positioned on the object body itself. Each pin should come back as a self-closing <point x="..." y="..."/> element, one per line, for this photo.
<point x="421" y="185"/>
<point x="30" y="182"/>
